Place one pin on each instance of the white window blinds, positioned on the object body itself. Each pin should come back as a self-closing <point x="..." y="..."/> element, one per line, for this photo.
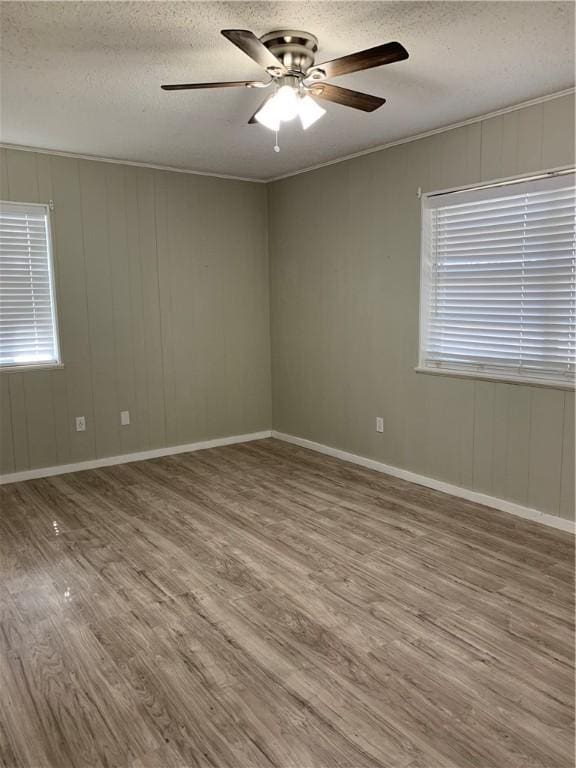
<point x="28" y="333"/>
<point x="498" y="281"/>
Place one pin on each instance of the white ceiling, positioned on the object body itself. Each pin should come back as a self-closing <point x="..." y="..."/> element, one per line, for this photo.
<point x="85" y="77"/>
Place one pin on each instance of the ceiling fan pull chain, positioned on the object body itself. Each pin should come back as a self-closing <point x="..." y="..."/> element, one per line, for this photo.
<point x="276" y="146"/>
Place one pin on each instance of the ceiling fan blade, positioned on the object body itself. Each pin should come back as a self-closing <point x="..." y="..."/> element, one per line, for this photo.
<point x="371" y="57"/>
<point x="346" y="97"/>
<point x="196" y="86"/>
<point x="253" y="118"/>
<point x="251" y="46"/>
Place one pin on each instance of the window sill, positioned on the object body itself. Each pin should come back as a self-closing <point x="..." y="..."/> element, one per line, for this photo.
<point x="31" y="367"/>
<point x="502" y="378"/>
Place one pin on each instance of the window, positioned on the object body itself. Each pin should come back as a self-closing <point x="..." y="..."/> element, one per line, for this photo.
<point x="498" y="286"/>
<point x="28" y="328"/>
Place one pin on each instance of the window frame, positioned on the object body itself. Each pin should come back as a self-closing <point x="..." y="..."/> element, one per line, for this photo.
<point x="426" y="287"/>
<point x="58" y="363"/>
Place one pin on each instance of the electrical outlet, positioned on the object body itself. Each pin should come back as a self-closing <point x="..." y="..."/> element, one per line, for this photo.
<point x="124" y="418"/>
<point x="379" y="424"/>
<point x="80" y="424"/>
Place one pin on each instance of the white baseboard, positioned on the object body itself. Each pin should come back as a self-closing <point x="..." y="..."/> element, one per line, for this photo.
<point x="438" y="485"/>
<point x="404" y="474"/>
<point x="126" y="458"/>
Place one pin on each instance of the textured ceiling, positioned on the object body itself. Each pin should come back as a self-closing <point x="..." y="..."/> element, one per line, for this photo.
<point x="85" y="77"/>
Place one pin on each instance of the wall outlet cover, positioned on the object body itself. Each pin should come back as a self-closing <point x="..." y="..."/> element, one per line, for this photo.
<point x="379" y="424"/>
<point x="80" y="424"/>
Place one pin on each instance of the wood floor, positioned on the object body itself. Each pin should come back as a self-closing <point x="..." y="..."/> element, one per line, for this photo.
<point x="261" y="605"/>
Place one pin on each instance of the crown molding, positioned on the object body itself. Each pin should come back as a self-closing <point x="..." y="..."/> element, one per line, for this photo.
<point x="343" y="159"/>
<point x="134" y="163"/>
<point x="433" y="132"/>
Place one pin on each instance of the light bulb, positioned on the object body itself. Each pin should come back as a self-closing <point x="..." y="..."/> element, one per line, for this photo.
<point x="309" y="112"/>
<point x="286" y="103"/>
<point x="268" y="115"/>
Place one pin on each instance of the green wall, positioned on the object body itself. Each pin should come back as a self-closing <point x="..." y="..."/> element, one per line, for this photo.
<point x="163" y="296"/>
<point x="162" y="285"/>
<point x="344" y="249"/>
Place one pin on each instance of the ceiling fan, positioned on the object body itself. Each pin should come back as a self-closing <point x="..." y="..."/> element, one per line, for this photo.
<point x="288" y="58"/>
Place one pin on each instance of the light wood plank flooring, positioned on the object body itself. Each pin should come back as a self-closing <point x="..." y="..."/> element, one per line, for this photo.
<point x="261" y="605"/>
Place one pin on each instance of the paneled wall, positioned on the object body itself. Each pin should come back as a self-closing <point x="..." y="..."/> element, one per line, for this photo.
<point x="344" y="247"/>
<point x="163" y="303"/>
<point x="162" y="283"/>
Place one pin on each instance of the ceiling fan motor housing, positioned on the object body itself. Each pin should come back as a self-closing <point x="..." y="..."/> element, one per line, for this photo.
<point x="294" y="48"/>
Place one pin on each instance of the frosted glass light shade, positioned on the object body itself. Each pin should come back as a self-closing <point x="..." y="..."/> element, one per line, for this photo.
<point x="309" y="112"/>
<point x="268" y="115"/>
<point x="286" y="103"/>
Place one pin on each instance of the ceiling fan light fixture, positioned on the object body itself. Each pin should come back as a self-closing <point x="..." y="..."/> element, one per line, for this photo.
<point x="309" y="111"/>
<point x="285" y="105"/>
